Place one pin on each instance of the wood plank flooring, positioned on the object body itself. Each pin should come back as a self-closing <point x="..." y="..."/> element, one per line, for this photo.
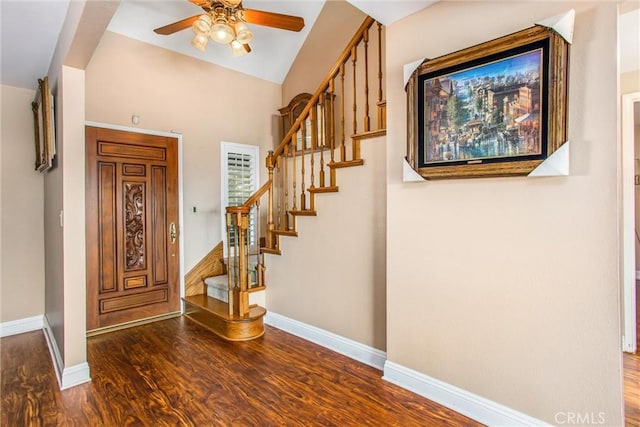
<point x="176" y="373"/>
<point x="632" y="389"/>
<point x="632" y="377"/>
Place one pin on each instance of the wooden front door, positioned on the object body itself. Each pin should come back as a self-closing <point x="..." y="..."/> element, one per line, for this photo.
<point x="132" y="226"/>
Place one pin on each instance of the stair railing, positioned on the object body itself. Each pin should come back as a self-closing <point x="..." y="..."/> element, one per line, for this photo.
<point x="316" y="141"/>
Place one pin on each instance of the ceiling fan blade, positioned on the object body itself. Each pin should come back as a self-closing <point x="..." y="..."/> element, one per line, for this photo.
<point x="247" y="48"/>
<point x="272" y="19"/>
<point x="176" y="26"/>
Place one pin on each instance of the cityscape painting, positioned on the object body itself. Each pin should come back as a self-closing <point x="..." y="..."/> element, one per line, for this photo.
<point x="498" y="108"/>
<point x="490" y="111"/>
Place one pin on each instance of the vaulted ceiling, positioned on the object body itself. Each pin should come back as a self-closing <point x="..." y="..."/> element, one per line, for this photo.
<point x="30" y="30"/>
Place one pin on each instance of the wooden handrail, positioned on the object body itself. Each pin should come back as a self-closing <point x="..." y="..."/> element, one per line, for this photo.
<point x="258" y="194"/>
<point x="346" y="54"/>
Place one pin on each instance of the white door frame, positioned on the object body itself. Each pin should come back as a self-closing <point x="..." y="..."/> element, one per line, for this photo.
<point x="629" y="332"/>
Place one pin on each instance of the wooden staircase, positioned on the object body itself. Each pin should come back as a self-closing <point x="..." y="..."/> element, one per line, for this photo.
<point x="214" y="312"/>
<point x="303" y="166"/>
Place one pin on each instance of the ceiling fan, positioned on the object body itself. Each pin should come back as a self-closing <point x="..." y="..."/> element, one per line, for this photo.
<point x="225" y="21"/>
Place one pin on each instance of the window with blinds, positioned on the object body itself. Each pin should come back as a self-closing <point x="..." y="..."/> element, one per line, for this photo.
<point x="239" y="181"/>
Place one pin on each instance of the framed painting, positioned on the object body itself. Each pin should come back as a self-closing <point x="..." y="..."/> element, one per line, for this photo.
<point x="44" y="133"/>
<point x="495" y="109"/>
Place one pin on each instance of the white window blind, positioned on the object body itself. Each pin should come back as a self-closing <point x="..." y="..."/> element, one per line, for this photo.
<point x="239" y="181"/>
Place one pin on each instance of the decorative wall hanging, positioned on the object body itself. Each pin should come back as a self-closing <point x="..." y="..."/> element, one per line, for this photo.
<point x="495" y="109"/>
<point x="43" y="121"/>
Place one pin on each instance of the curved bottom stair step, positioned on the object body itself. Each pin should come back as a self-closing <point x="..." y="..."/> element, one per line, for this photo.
<point x="213" y="314"/>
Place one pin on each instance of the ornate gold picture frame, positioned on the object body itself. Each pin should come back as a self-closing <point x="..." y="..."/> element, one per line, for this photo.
<point x="495" y="109"/>
<point x="43" y="121"/>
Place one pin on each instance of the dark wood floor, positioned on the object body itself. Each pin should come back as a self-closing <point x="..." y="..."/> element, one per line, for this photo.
<point x="175" y="373"/>
<point x="632" y="377"/>
<point x="632" y="389"/>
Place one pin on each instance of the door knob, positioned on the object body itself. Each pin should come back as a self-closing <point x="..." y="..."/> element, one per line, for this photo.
<point x="172" y="232"/>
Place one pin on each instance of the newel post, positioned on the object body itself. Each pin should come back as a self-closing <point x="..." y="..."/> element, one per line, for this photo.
<point x="270" y="163"/>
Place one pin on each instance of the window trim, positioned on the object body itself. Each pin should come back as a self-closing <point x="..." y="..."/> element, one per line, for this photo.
<point x="226" y="148"/>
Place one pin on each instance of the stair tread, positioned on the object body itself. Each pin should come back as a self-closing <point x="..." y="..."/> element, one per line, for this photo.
<point x="305" y="212"/>
<point x="271" y="251"/>
<point x="330" y="189"/>
<point x="346" y="164"/>
<point x="220" y="309"/>
<point x="291" y="233"/>
<point x="369" y="134"/>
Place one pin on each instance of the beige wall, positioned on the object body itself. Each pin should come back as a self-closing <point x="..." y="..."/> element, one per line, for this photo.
<point x="204" y="102"/>
<point x="53" y="234"/>
<point x="333" y="275"/>
<point x="333" y="29"/>
<point x="22" y="253"/>
<point x="508" y="287"/>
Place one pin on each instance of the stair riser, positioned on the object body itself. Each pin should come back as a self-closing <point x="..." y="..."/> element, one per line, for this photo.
<point x="218" y="293"/>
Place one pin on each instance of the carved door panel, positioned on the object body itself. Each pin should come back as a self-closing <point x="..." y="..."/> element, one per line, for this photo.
<point x="132" y="226"/>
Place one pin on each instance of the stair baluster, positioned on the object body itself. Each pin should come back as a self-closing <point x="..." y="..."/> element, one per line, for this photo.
<point x="343" y="148"/>
<point x="322" y="133"/>
<point x="367" y="120"/>
<point x="314" y="142"/>
<point x="303" y="195"/>
<point x="332" y="130"/>
<point x="382" y="116"/>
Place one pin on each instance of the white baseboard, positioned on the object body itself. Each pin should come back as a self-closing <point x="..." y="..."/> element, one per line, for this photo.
<point x="360" y="352"/>
<point x="473" y="406"/>
<point x="20" y="326"/>
<point x="56" y="357"/>
<point x="75" y="375"/>
<point x="67" y="376"/>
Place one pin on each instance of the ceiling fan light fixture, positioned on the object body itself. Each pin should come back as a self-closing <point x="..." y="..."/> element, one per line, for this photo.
<point x="221" y="32"/>
<point x="200" y="42"/>
<point x="225" y="22"/>
<point x="237" y="48"/>
<point x="231" y="3"/>
<point x="202" y="26"/>
<point x="243" y="33"/>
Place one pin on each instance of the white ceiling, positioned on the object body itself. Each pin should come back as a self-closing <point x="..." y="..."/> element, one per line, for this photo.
<point x="26" y="54"/>
<point x="273" y="50"/>
<point x="29" y="31"/>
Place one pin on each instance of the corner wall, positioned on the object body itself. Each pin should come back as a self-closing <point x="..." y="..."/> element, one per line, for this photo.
<point x="22" y="271"/>
<point x="65" y="301"/>
<point x="508" y="287"/>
